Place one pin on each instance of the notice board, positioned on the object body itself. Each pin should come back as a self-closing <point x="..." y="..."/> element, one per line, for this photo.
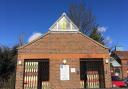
<point x="64" y="72"/>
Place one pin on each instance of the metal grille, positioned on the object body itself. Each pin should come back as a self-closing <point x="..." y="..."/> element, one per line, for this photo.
<point x="36" y="74"/>
<point x="92" y="73"/>
<point x="43" y="77"/>
<point x="31" y="75"/>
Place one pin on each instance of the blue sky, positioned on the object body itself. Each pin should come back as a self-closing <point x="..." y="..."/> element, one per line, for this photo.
<point x="30" y="16"/>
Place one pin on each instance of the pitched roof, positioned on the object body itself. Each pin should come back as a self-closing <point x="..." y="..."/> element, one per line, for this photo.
<point x="64" y="42"/>
<point x="114" y="62"/>
<point x="122" y="54"/>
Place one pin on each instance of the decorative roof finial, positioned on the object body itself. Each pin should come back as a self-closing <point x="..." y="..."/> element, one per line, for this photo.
<point x="64" y="14"/>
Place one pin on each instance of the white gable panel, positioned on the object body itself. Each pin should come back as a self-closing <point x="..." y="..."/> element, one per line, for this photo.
<point x="64" y="24"/>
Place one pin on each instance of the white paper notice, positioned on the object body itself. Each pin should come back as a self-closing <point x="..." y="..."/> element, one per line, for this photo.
<point x="73" y="70"/>
<point x="64" y="72"/>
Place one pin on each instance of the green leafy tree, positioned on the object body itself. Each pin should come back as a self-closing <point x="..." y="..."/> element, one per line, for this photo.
<point x="97" y="36"/>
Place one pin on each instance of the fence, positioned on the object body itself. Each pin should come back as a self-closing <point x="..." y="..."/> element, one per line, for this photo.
<point x="9" y="83"/>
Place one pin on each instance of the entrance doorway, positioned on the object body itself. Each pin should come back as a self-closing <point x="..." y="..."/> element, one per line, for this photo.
<point x="36" y="74"/>
<point x="92" y="73"/>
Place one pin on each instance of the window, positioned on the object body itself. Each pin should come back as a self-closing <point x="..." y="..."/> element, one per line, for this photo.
<point x="63" y="24"/>
<point x="117" y="70"/>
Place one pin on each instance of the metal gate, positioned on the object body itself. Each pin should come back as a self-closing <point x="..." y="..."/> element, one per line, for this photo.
<point x="92" y="73"/>
<point x="36" y="74"/>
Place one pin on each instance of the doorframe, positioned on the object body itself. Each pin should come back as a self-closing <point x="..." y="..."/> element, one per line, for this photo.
<point x="95" y="59"/>
<point x="35" y="60"/>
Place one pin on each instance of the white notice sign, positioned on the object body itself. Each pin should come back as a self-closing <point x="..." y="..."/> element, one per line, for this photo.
<point x="73" y="70"/>
<point x="64" y="72"/>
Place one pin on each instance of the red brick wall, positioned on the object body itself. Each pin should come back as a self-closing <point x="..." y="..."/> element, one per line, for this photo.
<point x="124" y="67"/>
<point x="56" y="47"/>
<point x="64" y="43"/>
<point x="107" y="72"/>
<point x="55" y="81"/>
<point x="55" y="61"/>
<point x="19" y="75"/>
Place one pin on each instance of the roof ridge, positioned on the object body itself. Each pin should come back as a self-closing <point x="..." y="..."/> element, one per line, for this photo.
<point x="33" y="40"/>
<point x="62" y="32"/>
<point x="93" y="40"/>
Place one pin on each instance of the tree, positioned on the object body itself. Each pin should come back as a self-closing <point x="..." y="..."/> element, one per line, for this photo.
<point x="85" y="21"/>
<point x="7" y="61"/>
<point x="82" y="17"/>
<point x="97" y="36"/>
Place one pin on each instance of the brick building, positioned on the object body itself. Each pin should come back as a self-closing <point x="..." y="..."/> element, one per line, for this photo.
<point x="63" y="58"/>
<point x="122" y="58"/>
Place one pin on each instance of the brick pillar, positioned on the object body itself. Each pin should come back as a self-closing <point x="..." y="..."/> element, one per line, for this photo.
<point x="107" y="74"/>
<point x="56" y="83"/>
<point x="19" y="75"/>
<point x="124" y="68"/>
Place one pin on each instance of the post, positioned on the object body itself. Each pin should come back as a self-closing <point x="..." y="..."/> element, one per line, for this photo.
<point x="19" y="74"/>
<point x="107" y="73"/>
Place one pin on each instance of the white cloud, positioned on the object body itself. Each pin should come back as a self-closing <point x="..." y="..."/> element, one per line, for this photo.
<point x="34" y="36"/>
<point x="108" y="40"/>
<point x="102" y="29"/>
